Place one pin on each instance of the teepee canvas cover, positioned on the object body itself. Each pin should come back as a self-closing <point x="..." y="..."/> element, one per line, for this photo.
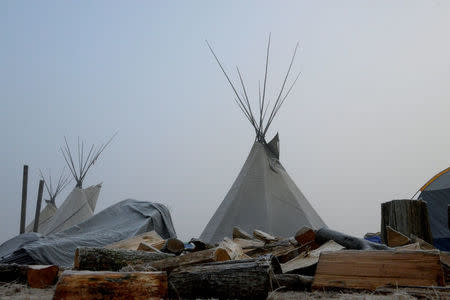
<point x="44" y="218"/>
<point x="263" y="196"/>
<point x="78" y="207"/>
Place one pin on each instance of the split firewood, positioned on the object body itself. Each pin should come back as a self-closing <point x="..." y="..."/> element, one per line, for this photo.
<point x="132" y="243"/>
<point x="371" y="269"/>
<point x="309" y="259"/>
<point x="147" y="247"/>
<point x="274" y="248"/>
<point x="324" y="235"/>
<point x="264" y="236"/>
<point x="244" y="279"/>
<point x="395" y="238"/>
<point x="289" y="254"/>
<point x="200" y="245"/>
<point x="41" y="276"/>
<point x="174" y="246"/>
<point x="292" y="282"/>
<point x="101" y="259"/>
<point x="239" y="233"/>
<point x="423" y="244"/>
<point x="305" y="235"/>
<point x="191" y="258"/>
<point x="248" y="244"/>
<point x="75" y="285"/>
<point x="232" y="250"/>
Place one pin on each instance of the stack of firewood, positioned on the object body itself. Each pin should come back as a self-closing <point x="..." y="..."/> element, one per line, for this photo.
<point x="246" y="266"/>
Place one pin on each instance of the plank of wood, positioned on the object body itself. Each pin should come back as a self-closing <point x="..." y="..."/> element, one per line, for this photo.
<point x="42" y="276"/>
<point x="75" y="285"/>
<point x="307" y="259"/>
<point x="395" y="238"/>
<point x="101" y="259"/>
<point x="132" y="243"/>
<point x="305" y="235"/>
<point x="371" y="269"/>
<point x="264" y="236"/>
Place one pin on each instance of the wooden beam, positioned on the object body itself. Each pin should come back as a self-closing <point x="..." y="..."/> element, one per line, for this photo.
<point x="38" y="206"/>
<point x="370" y="269"/>
<point x="23" y="210"/>
<point x="75" y="285"/>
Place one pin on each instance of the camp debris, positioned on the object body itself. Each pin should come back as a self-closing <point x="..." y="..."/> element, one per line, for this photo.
<point x="239" y="268"/>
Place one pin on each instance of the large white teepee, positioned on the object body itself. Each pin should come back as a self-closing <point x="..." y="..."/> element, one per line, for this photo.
<point x="263" y="195"/>
<point x="50" y="209"/>
<point x="80" y="203"/>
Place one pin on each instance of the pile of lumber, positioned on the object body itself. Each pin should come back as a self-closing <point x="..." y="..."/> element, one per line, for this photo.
<point x="243" y="266"/>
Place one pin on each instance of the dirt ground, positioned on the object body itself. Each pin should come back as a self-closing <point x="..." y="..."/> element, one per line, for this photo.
<point x="17" y="291"/>
<point x="21" y="291"/>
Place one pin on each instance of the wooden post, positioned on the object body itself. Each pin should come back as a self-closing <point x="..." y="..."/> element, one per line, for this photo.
<point x="23" y="211"/>
<point x="406" y="216"/>
<point x="38" y="206"/>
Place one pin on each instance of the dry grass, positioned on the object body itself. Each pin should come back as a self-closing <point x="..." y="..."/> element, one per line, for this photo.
<point x="337" y="295"/>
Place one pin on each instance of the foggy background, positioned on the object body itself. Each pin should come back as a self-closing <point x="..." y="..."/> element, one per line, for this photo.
<point x="367" y="121"/>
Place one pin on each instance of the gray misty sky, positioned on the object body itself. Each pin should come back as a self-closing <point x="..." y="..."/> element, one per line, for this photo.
<point x="366" y="123"/>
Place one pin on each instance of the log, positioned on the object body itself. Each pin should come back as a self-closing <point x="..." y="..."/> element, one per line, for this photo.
<point x="132" y="243"/>
<point x="111" y="285"/>
<point x="293" y="282"/>
<point x="406" y="216"/>
<point x="368" y="270"/>
<point x="305" y="235"/>
<point x="191" y="258"/>
<point x="245" y="279"/>
<point x="395" y="238"/>
<point x="174" y="246"/>
<point x="324" y="235"/>
<point x="41" y="276"/>
<point x="101" y="259"/>
<point x="264" y="236"/>
<point x="239" y="233"/>
<point x="309" y="259"/>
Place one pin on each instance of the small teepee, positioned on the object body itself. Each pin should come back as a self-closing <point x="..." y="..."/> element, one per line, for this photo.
<point x="263" y="196"/>
<point x="80" y="203"/>
<point x="50" y="209"/>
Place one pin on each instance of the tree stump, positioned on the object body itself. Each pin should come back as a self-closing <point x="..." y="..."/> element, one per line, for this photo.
<point x="406" y="216"/>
